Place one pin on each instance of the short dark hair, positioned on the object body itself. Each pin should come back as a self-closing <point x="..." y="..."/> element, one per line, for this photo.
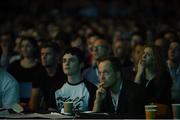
<point x="75" y="51"/>
<point x="114" y="62"/>
<point x="53" y="46"/>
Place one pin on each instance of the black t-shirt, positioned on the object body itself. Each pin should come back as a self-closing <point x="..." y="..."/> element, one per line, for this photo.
<point x="158" y="92"/>
<point x="130" y="104"/>
<point x="33" y="76"/>
<point x="50" y="85"/>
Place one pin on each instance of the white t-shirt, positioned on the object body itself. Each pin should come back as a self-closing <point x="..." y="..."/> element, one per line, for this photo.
<point x="77" y="93"/>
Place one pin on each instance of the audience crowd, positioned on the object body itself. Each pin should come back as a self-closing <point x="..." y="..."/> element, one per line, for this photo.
<point x="114" y="65"/>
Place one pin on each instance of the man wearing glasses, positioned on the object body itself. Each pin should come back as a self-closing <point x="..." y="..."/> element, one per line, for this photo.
<point x="101" y="49"/>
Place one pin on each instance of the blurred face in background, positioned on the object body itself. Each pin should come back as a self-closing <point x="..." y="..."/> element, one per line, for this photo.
<point x="18" y="45"/>
<point x="48" y="57"/>
<point x="119" y="49"/>
<point x="169" y="36"/>
<point x="174" y="52"/>
<point x="135" y="39"/>
<point x="78" y="43"/>
<point x="90" y="42"/>
<point x="27" y="49"/>
<point x="53" y="30"/>
<point x="159" y="42"/>
<point x="137" y="53"/>
<point x="100" y="49"/>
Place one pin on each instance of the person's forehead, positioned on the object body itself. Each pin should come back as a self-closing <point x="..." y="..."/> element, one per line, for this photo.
<point x="139" y="47"/>
<point x="26" y="41"/>
<point x="100" y="42"/>
<point x="136" y="37"/>
<point x="148" y="49"/>
<point x="46" y="49"/>
<point x="105" y="64"/>
<point x="69" y="55"/>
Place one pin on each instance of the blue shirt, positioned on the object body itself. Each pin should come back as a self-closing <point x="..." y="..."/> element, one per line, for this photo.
<point x="175" y="89"/>
<point x="91" y="74"/>
<point x="9" y="90"/>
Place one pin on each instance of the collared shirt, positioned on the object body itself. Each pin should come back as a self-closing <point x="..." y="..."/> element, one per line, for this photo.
<point x="175" y="75"/>
<point x="115" y="97"/>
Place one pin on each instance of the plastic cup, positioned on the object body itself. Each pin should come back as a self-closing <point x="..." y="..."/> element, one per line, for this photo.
<point x="68" y="107"/>
<point x="176" y="111"/>
<point x="150" y="111"/>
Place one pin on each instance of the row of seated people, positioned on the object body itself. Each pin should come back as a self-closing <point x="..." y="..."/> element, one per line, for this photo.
<point x="120" y="90"/>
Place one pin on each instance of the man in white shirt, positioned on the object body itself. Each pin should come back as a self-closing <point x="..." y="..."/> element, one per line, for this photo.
<point x="81" y="92"/>
<point x="9" y="90"/>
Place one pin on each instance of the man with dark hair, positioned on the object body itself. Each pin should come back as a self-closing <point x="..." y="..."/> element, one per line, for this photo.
<point x="123" y="99"/>
<point x="173" y="63"/>
<point x="101" y="48"/>
<point x="50" y="54"/>
<point x="75" y="89"/>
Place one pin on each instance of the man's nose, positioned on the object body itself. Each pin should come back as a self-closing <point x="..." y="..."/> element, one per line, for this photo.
<point x="101" y="78"/>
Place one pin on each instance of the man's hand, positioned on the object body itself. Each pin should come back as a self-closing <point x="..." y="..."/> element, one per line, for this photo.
<point x="100" y="93"/>
<point x="100" y="96"/>
<point x="141" y="68"/>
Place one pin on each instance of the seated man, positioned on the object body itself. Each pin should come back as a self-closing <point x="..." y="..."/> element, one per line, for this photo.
<point x="123" y="99"/>
<point x="9" y="90"/>
<point x="75" y="89"/>
<point x="50" y="54"/>
<point x="173" y="63"/>
<point x="101" y="48"/>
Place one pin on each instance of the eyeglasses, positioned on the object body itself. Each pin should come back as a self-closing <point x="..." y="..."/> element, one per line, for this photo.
<point x="99" y="47"/>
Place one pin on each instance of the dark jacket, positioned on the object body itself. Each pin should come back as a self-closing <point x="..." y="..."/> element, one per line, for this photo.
<point x="131" y="102"/>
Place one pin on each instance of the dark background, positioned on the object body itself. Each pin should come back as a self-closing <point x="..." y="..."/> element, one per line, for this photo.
<point x="148" y="8"/>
